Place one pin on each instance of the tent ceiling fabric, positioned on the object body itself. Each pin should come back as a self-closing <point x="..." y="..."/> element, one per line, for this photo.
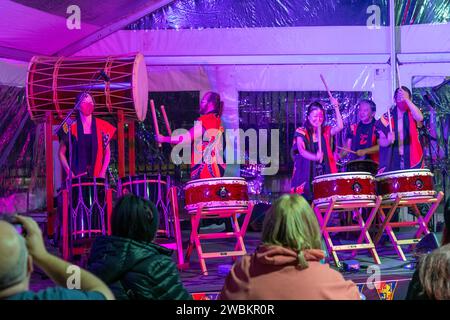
<point x="259" y="14"/>
<point x="40" y="27"/>
<point x="98" y="13"/>
<point x="198" y="14"/>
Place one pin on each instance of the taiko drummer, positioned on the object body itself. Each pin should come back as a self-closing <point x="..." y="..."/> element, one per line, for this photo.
<point x="400" y="146"/>
<point x="312" y="150"/>
<point x="90" y="142"/>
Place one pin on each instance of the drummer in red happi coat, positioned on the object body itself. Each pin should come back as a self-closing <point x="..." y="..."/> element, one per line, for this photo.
<point x="207" y="142"/>
<point x="90" y="142"/>
<point x="362" y="137"/>
<point x="309" y="161"/>
<point x="400" y="146"/>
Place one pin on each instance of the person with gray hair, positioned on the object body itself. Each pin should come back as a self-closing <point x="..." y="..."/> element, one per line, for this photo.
<point x="431" y="280"/>
<point x="19" y="252"/>
<point x="13" y="258"/>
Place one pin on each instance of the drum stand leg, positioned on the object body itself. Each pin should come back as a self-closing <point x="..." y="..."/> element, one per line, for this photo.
<point x="323" y="221"/>
<point x="109" y="208"/>
<point x="362" y="226"/>
<point x="386" y="226"/>
<point x="423" y="222"/>
<point x="196" y="239"/>
<point x="195" y="220"/>
<point x="164" y="207"/>
<point x="238" y="233"/>
<point x="65" y="226"/>
<point x="365" y="230"/>
<point x="177" y="230"/>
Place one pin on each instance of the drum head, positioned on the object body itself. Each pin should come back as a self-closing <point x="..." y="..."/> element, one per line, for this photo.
<point x="140" y="87"/>
<point x="404" y="173"/>
<point x="88" y="181"/>
<point x="362" y="165"/>
<point x="342" y="175"/>
<point x="148" y="177"/>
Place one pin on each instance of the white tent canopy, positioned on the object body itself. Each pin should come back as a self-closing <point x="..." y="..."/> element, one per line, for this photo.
<point x="224" y="59"/>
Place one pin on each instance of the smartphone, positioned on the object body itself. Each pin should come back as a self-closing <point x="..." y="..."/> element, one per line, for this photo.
<point x="12" y="220"/>
<point x="19" y="228"/>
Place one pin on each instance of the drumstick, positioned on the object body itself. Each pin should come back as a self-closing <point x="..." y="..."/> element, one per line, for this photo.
<point x="319" y="133"/>
<point x="80" y="175"/>
<point x="163" y="111"/>
<point x="347" y="150"/>
<point x="399" y="85"/>
<point x="155" y="121"/>
<point x="398" y="75"/>
<point x="325" y="84"/>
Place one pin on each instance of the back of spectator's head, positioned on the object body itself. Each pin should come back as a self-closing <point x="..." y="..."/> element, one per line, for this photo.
<point x="135" y="218"/>
<point x="13" y="257"/>
<point x="434" y="273"/>
<point x="291" y="223"/>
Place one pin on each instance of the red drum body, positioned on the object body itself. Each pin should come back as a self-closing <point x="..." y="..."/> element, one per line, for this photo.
<point x="216" y="193"/>
<point x="413" y="183"/>
<point x="346" y="187"/>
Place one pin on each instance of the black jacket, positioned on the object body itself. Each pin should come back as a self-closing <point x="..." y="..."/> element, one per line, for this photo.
<point x="136" y="270"/>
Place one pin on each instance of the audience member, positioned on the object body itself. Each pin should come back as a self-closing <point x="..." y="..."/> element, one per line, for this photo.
<point x="431" y="280"/>
<point x="128" y="261"/>
<point x="19" y="252"/>
<point x="287" y="263"/>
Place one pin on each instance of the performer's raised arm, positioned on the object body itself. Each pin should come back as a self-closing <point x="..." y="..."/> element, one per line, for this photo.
<point x="210" y="146"/>
<point x="339" y="123"/>
<point x="188" y="137"/>
<point x="402" y="97"/>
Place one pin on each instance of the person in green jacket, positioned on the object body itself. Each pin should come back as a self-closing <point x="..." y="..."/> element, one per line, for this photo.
<point x="128" y="262"/>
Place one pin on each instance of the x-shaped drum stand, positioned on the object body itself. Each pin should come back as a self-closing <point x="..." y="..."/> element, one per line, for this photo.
<point x="421" y="222"/>
<point x="238" y="232"/>
<point x="364" y="242"/>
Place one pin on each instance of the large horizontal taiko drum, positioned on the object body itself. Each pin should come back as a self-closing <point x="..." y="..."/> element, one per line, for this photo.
<point x="53" y="84"/>
<point x="345" y="187"/>
<point x="216" y="193"/>
<point x="412" y="183"/>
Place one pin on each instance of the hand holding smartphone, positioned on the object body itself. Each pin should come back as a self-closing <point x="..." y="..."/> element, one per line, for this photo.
<point x="13" y="220"/>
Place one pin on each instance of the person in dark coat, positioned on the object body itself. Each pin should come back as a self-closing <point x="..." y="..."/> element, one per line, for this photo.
<point x="425" y="273"/>
<point x="132" y="266"/>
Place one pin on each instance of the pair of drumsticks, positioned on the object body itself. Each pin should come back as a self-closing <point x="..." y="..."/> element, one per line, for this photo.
<point x="400" y="85"/>
<point x="319" y="128"/>
<point x="155" y="120"/>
